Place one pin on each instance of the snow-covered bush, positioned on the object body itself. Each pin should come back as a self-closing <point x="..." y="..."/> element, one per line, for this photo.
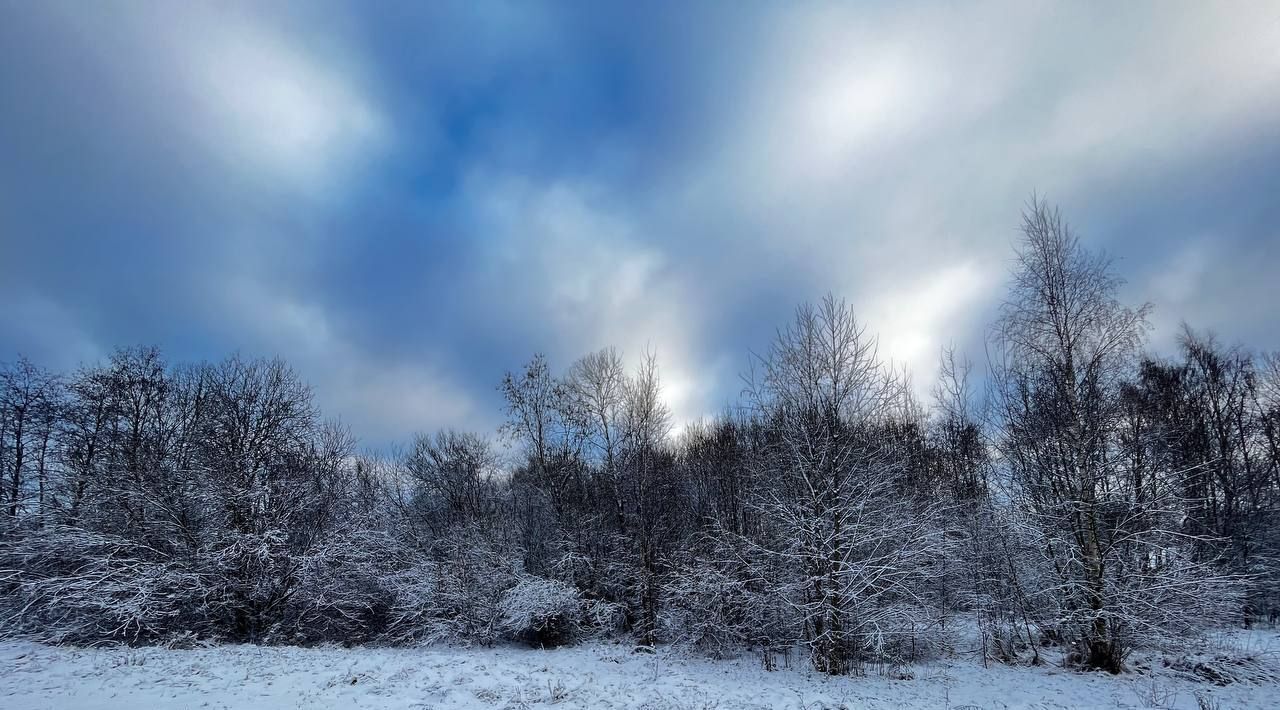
<point x="342" y="592"/>
<point x="251" y="572"/>
<point x="541" y="612"/>
<point x="452" y="594"/>
<point x="601" y="617"/>
<point x="67" y="584"/>
<point x="413" y="590"/>
<point x="711" y="607"/>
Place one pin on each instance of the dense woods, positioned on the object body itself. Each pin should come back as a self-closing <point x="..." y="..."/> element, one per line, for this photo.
<point x="1071" y="489"/>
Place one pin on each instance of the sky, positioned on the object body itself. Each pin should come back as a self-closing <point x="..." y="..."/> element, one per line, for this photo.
<point x="406" y="199"/>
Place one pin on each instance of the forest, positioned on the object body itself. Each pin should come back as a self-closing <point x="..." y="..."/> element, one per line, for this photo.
<point x="1066" y="488"/>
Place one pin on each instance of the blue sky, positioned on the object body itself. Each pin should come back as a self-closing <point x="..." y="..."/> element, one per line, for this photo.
<point x="406" y="199"/>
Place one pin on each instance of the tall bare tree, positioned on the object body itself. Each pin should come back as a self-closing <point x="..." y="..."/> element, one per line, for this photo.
<point x="841" y="519"/>
<point x="1062" y="351"/>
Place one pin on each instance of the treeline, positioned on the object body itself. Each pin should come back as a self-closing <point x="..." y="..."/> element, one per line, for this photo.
<point x="1080" y="493"/>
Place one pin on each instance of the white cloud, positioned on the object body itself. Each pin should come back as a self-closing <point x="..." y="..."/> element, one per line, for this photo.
<point x="878" y="152"/>
<point x="386" y="398"/>
<point x="882" y="154"/>
<point x="917" y="319"/>
<point x="279" y="109"/>
<point x="569" y="257"/>
<point x="396" y="400"/>
<point x="265" y="98"/>
<point x="1216" y="283"/>
<point x="885" y="152"/>
<point x="231" y="91"/>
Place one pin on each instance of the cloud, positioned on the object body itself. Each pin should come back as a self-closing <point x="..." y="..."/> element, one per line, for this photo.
<point x="404" y="201"/>
<point x="571" y="259"/>
<point x="47" y="333"/>
<point x="916" y="320"/>
<point x="874" y="150"/>
<point x="386" y="399"/>
<point x="277" y="108"/>
<point x="1218" y="283"/>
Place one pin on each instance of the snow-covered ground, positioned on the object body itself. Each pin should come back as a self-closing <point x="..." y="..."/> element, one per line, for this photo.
<point x="591" y="676"/>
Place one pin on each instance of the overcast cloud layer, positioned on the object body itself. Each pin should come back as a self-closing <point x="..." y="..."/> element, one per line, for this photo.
<point x="404" y="200"/>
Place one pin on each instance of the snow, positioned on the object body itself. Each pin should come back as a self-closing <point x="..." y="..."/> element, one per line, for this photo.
<point x="599" y="675"/>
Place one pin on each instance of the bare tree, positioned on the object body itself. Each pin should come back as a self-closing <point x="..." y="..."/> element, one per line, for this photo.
<point x="453" y="476"/>
<point x="597" y="382"/>
<point x="1062" y="350"/>
<point x="647" y="488"/>
<point x="857" y="545"/>
<point x="29" y="398"/>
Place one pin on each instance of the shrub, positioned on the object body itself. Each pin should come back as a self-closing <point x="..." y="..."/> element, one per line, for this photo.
<point x="541" y="612"/>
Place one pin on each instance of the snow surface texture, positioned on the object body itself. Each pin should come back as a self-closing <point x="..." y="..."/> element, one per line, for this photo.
<point x="592" y="676"/>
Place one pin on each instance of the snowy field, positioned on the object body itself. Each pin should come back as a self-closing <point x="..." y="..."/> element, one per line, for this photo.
<point x="593" y="676"/>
